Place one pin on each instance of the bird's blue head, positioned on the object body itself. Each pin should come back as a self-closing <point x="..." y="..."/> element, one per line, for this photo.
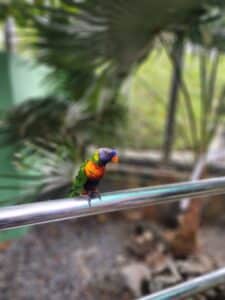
<point x="106" y="155"/>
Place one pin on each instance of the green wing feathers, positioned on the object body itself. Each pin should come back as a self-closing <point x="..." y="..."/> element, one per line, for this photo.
<point x="79" y="182"/>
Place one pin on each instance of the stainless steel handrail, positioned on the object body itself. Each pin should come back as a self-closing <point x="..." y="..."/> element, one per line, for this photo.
<point x="62" y="209"/>
<point x="190" y="288"/>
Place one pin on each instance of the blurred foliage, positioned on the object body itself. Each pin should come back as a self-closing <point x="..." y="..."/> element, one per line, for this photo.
<point x="33" y="119"/>
<point x="150" y="88"/>
<point x="53" y="140"/>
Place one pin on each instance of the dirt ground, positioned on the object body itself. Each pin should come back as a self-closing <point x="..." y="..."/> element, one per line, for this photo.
<point x="62" y="260"/>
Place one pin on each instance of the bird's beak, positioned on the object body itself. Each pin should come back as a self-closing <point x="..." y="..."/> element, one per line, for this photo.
<point x="115" y="159"/>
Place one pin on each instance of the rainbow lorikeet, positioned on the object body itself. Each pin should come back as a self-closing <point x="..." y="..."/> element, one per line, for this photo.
<point x="91" y="172"/>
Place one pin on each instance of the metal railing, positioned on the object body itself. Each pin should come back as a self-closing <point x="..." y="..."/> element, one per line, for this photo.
<point x="190" y="288"/>
<point x="62" y="209"/>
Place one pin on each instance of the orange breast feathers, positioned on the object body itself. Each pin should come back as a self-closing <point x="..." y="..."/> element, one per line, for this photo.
<point x="93" y="171"/>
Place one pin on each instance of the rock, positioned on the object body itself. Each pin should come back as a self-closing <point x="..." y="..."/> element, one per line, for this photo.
<point x="207" y="262"/>
<point x="111" y="285"/>
<point x="145" y="239"/>
<point x="196" y="265"/>
<point x="157" y="262"/>
<point x="137" y="277"/>
<point x="155" y="285"/>
<point x="166" y="281"/>
<point x="173" y="269"/>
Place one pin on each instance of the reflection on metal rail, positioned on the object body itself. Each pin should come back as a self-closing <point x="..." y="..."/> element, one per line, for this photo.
<point x="190" y="288"/>
<point x="62" y="209"/>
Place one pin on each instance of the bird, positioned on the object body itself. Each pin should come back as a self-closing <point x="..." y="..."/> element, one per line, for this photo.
<point x="91" y="172"/>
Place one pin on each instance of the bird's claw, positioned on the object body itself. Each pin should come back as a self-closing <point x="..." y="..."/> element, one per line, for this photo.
<point x="92" y="195"/>
<point x="95" y="194"/>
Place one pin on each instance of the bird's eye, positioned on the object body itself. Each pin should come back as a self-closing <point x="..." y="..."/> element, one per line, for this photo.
<point x="105" y="153"/>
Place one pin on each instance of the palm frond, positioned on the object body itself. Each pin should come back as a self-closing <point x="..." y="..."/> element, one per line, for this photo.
<point x="80" y="36"/>
<point x="46" y="168"/>
<point x="33" y="119"/>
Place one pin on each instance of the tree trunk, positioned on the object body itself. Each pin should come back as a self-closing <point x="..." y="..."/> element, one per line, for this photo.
<point x="10" y="35"/>
<point x="177" y="61"/>
<point x="184" y="240"/>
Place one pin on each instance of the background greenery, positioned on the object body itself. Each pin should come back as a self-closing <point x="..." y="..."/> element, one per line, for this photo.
<point x="148" y="101"/>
